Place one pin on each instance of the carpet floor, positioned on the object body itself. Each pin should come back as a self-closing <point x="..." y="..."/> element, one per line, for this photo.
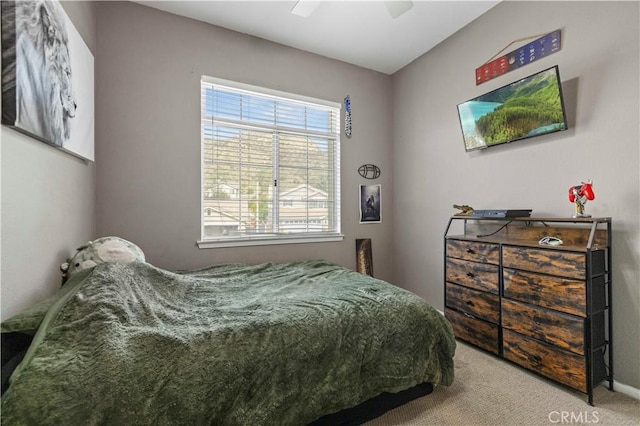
<point x="490" y="391"/>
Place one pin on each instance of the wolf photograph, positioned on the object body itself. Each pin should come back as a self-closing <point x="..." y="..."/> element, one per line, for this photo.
<point x="370" y="204"/>
<point x="47" y="76"/>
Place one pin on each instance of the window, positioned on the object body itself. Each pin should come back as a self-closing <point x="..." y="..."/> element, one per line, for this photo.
<point x="262" y="150"/>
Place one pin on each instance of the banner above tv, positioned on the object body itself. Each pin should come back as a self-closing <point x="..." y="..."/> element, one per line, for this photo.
<point x="47" y="76"/>
<point x="531" y="106"/>
<point x="537" y="49"/>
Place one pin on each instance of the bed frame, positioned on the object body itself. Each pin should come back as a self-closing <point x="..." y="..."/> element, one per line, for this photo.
<point x="374" y="407"/>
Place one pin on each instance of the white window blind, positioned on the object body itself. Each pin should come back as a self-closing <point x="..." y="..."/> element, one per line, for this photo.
<point x="270" y="166"/>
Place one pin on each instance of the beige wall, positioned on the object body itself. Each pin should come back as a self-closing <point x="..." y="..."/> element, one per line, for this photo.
<point x="47" y="203"/>
<point x="599" y="69"/>
<point x="148" y="135"/>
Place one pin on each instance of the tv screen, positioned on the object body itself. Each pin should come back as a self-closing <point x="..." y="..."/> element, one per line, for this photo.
<point x="529" y="107"/>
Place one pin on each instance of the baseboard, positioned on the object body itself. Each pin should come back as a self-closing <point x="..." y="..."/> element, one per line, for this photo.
<point x="625" y="389"/>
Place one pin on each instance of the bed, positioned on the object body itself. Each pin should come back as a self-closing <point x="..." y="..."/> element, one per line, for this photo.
<point x="276" y="343"/>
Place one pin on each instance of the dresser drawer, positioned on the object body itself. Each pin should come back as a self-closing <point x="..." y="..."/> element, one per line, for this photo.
<point x="477" y="252"/>
<point x="562" y="294"/>
<point x="545" y="261"/>
<point x="562" y="330"/>
<point x="475" y="331"/>
<point x="480" y="304"/>
<point x="480" y="276"/>
<point x="565" y="367"/>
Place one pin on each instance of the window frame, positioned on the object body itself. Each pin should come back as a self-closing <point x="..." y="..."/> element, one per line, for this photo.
<point x="281" y="238"/>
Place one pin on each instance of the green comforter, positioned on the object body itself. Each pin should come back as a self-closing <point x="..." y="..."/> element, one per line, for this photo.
<point x="269" y="344"/>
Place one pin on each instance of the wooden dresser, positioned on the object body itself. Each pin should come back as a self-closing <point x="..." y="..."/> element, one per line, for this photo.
<point x="545" y="308"/>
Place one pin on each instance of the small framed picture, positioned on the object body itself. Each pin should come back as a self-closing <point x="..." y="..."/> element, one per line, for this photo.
<point x="370" y="204"/>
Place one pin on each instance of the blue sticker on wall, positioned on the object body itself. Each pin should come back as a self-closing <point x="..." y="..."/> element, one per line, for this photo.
<point x="347" y="116"/>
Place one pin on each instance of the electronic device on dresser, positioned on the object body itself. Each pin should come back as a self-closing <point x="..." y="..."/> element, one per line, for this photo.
<point x="535" y="291"/>
<point x="501" y="213"/>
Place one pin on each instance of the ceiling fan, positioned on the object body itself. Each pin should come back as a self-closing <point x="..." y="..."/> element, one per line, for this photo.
<point x="396" y="8"/>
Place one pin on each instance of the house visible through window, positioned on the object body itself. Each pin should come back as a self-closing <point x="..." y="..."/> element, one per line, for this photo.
<point x="270" y="166"/>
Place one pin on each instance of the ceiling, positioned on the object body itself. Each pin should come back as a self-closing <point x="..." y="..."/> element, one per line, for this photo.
<point x="362" y="33"/>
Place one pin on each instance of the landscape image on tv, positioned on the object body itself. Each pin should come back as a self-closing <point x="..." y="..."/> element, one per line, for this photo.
<point x="529" y="107"/>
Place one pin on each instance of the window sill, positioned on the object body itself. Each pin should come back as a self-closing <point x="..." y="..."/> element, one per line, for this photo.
<point x="268" y="240"/>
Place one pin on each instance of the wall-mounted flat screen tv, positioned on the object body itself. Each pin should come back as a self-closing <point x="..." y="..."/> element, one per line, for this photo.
<point x="529" y="107"/>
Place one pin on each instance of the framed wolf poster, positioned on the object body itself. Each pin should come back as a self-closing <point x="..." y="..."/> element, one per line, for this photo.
<point x="47" y="76"/>
<point x="370" y="204"/>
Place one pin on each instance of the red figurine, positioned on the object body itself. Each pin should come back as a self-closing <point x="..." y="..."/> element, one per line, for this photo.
<point x="579" y="194"/>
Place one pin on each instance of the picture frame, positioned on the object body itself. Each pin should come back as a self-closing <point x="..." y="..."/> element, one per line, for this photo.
<point x="370" y="204"/>
<point x="47" y="77"/>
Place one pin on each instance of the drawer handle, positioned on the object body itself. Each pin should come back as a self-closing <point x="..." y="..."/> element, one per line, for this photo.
<point x="468" y="315"/>
<point x="470" y="274"/>
<point x="470" y="251"/>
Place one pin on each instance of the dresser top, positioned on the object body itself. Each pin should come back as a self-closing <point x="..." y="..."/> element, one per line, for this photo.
<point x="537" y="219"/>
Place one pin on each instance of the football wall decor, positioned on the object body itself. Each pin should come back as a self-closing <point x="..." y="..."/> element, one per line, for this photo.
<point x="369" y="171"/>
